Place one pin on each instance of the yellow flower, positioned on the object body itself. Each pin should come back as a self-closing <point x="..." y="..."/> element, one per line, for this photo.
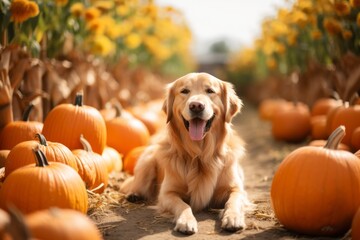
<point x="96" y="26"/>
<point x="358" y="19"/>
<point x="104" y="5"/>
<point x="271" y="63"/>
<point x="61" y="2"/>
<point x="92" y="13"/>
<point x="342" y="8"/>
<point x="77" y="9"/>
<point x="332" y="26"/>
<point x="279" y="28"/>
<point x="355" y="3"/>
<point x="299" y="18"/>
<point x="22" y="10"/>
<point x="305" y="5"/>
<point x="315" y="34"/>
<point x="123" y="10"/>
<point x="132" y="41"/>
<point x="101" y="45"/>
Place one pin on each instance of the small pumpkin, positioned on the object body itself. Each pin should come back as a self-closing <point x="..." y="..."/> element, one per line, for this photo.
<point x="292" y="124"/>
<point x="19" y="131"/>
<point x="3" y="156"/>
<point x="131" y="159"/>
<point x="66" y="122"/>
<point x="113" y="159"/>
<point x="91" y="167"/>
<point x="323" y="105"/>
<point x="318" y="127"/>
<point x="44" y="185"/>
<point x="315" y="190"/>
<point x="61" y="224"/>
<point x="22" y="154"/>
<point x="355" y="139"/>
<point x="355" y="226"/>
<point x="269" y="106"/>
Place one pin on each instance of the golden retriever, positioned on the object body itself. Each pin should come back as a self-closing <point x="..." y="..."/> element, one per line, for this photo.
<point x="195" y="163"/>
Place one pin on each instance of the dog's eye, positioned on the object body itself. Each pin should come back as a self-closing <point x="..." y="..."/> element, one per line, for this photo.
<point x="185" y="91"/>
<point x="210" y="91"/>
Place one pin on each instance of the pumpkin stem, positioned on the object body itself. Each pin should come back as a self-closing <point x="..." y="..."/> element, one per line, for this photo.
<point x="118" y="108"/>
<point x="40" y="158"/>
<point x="27" y="112"/>
<point x="86" y="145"/>
<point x="17" y="227"/>
<point x="79" y="99"/>
<point x="335" y="138"/>
<point x="42" y="139"/>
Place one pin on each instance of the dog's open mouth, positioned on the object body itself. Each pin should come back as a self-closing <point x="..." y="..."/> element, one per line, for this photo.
<point x="197" y="127"/>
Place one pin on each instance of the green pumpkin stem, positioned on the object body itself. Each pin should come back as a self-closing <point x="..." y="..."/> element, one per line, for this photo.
<point x="79" y="99"/>
<point x="40" y="158"/>
<point x="335" y="138"/>
<point x="118" y="108"/>
<point x="42" y="139"/>
<point x="27" y="112"/>
<point x="86" y="145"/>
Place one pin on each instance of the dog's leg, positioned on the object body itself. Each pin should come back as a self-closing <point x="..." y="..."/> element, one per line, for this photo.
<point x="233" y="216"/>
<point x="185" y="221"/>
<point x="143" y="184"/>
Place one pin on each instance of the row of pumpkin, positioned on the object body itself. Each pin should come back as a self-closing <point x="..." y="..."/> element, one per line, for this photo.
<point x="73" y="151"/>
<point x="324" y="174"/>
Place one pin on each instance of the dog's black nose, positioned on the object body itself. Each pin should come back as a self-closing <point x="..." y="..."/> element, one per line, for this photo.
<point x="196" y="107"/>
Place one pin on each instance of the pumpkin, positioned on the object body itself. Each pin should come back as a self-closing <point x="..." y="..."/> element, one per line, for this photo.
<point x="112" y="159"/>
<point x="323" y="105"/>
<point x="292" y="124"/>
<point x="61" y="224"/>
<point x="115" y="110"/>
<point x="21" y="154"/>
<point x="349" y="116"/>
<point x="355" y="139"/>
<point x="66" y="122"/>
<point x="355" y="226"/>
<point x="126" y="134"/>
<point x="268" y="107"/>
<point x="91" y="167"/>
<point x="3" y="156"/>
<point x="131" y="159"/>
<point x="322" y="143"/>
<point x="318" y="127"/>
<point x="19" y="131"/>
<point x="44" y="185"/>
<point x="316" y="190"/>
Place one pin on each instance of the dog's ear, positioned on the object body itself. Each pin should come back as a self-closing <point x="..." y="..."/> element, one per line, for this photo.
<point x="232" y="102"/>
<point x="169" y="101"/>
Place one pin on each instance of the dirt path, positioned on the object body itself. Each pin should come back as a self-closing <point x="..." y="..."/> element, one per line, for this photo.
<point x="122" y="220"/>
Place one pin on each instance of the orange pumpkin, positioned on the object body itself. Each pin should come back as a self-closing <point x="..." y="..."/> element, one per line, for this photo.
<point x="318" y="127"/>
<point x="112" y="159"/>
<point x="66" y="122"/>
<point x="323" y="105"/>
<point x="44" y="185"/>
<point x="3" y="156"/>
<point x="126" y="134"/>
<point x="131" y="159"/>
<point x="268" y="107"/>
<point x="19" y="131"/>
<point x="61" y="224"/>
<point x="292" y="124"/>
<point x="349" y="116"/>
<point x="316" y="190"/>
<point x="22" y="154"/>
<point x="355" y="139"/>
<point x="355" y="227"/>
<point x="91" y="167"/>
<point x="322" y="143"/>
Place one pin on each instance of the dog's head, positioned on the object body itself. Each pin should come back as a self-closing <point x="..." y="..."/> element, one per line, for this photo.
<point x="198" y="102"/>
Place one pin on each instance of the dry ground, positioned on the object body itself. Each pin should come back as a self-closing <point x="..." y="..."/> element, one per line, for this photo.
<point x="118" y="219"/>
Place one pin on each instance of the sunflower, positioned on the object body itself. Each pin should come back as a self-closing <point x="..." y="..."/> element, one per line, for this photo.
<point x="332" y="26"/>
<point x="77" y="9"/>
<point x="22" y="10"/>
<point x="61" y="3"/>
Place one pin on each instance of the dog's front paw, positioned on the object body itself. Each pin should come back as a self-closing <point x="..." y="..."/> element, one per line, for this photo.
<point x="233" y="221"/>
<point x="134" y="198"/>
<point x="186" y="225"/>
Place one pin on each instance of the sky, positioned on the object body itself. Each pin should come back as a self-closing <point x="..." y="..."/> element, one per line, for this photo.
<point x="236" y="20"/>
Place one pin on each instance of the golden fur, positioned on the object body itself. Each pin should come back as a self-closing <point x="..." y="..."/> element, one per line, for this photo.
<point x="187" y="175"/>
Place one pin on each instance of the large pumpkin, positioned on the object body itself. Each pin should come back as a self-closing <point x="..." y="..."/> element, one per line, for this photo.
<point x="22" y="154"/>
<point x="125" y="134"/>
<point x="44" y="185"/>
<point x="355" y="227"/>
<point x="61" y="224"/>
<point x="66" y="122"/>
<point x="19" y="131"/>
<point x="316" y="190"/>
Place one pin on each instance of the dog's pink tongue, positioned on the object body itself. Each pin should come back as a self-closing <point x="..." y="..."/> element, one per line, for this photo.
<point x="196" y="129"/>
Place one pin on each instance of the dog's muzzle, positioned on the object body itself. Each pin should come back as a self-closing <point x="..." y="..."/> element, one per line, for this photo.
<point x="197" y="127"/>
